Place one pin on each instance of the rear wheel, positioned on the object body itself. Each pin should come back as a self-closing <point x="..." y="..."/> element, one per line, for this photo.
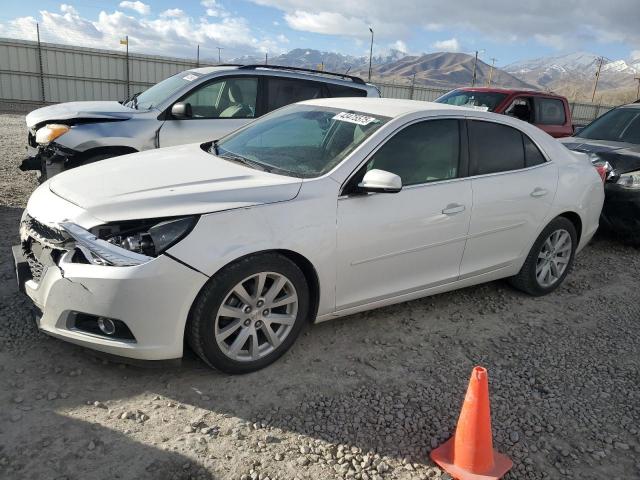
<point x="249" y="314"/>
<point x="549" y="260"/>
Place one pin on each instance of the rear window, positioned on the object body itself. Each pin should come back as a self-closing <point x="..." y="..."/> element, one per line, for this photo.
<point x="487" y="101"/>
<point x="344" y="91"/>
<point x="550" y="111"/>
<point x="284" y="91"/>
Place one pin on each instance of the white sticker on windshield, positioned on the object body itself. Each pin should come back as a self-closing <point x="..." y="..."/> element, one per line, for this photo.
<point x="477" y="107"/>
<point x="190" y="78"/>
<point x="354" y="118"/>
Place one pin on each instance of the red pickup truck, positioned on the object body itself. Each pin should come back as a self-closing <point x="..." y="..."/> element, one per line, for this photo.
<point x="547" y="111"/>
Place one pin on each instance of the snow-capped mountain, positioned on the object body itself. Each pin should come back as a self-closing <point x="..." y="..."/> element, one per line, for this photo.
<point x="576" y="68"/>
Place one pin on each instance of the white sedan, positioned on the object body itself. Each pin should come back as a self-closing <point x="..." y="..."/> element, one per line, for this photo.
<point x="318" y="210"/>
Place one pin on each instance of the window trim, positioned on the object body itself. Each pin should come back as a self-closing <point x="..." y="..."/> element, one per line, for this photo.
<point x="166" y="114"/>
<point x="542" y="151"/>
<point x="463" y="157"/>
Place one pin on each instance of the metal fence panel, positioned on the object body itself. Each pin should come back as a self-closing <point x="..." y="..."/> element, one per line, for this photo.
<point x="77" y="73"/>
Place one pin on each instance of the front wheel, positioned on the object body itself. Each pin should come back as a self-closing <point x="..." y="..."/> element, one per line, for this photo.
<point x="549" y="260"/>
<point x="249" y="314"/>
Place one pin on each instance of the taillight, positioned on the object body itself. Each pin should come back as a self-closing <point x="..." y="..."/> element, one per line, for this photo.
<point x="603" y="169"/>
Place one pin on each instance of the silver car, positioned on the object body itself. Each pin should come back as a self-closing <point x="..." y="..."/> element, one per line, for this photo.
<point x="193" y="106"/>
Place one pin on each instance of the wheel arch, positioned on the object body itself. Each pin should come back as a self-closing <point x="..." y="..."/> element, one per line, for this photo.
<point x="575" y="219"/>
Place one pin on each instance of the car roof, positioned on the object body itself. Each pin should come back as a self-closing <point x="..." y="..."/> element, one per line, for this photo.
<point x="509" y="91"/>
<point x="290" y="72"/>
<point x="386" y="107"/>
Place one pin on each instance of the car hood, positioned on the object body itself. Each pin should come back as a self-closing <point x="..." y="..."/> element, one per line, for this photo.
<point x="168" y="182"/>
<point x="110" y="110"/>
<point x="623" y="157"/>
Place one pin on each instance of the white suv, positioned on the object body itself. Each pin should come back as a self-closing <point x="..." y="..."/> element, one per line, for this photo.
<point x="320" y="209"/>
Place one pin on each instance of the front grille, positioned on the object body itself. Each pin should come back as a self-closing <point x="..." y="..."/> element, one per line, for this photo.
<point x="42" y="246"/>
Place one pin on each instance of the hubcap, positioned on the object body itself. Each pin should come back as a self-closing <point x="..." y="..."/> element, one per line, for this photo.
<point x="553" y="258"/>
<point x="256" y="316"/>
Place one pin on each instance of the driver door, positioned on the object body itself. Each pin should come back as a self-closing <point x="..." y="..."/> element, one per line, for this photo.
<point x="389" y="244"/>
<point x="218" y="107"/>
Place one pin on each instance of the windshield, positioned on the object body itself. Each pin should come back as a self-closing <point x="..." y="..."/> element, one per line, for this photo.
<point x="299" y="140"/>
<point x="157" y="94"/>
<point x="619" y="125"/>
<point x="487" y="101"/>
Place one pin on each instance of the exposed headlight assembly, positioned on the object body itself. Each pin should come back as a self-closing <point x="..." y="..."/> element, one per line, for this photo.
<point x="629" y="180"/>
<point x="50" y="132"/>
<point x="131" y="243"/>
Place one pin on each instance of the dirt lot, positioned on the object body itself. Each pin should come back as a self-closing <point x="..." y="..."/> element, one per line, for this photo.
<point x="365" y="397"/>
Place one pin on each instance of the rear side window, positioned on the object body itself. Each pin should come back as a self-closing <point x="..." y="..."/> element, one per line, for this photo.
<point x="499" y="148"/>
<point x="550" y="111"/>
<point x="344" y="91"/>
<point x="284" y="91"/>
<point x="532" y="154"/>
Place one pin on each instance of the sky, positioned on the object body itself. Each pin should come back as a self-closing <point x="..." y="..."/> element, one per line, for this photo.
<point x="507" y="30"/>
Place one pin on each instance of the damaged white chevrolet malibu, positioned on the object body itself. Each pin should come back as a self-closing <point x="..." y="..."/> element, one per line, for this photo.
<point x="317" y="210"/>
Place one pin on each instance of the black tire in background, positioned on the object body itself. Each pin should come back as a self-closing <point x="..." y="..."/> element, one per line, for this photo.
<point x="201" y="325"/>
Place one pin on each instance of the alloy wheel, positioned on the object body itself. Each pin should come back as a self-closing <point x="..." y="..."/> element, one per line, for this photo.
<point x="256" y="316"/>
<point x="553" y="258"/>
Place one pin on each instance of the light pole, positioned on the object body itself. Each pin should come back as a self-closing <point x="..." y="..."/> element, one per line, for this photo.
<point x="370" y="53"/>
<point x="219" y="50"/>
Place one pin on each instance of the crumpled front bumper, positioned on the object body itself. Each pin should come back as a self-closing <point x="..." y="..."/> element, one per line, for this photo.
<point x="621" y="210"/>
<point x="49" y="159"/>
<point x="152" y="299"/>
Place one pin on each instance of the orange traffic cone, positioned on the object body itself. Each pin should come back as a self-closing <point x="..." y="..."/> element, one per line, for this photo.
<point x="469" y="454"/>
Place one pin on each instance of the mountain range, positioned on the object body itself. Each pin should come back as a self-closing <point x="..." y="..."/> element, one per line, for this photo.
<point x="572" y="75"/>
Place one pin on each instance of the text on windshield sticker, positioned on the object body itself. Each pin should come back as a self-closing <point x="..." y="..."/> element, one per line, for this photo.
<point x="190" y="78"/>
<point x="354" y="118"/>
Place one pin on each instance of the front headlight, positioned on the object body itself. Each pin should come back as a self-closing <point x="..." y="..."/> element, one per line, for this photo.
<point x="49" y="133"/>
<point x="629" y="180"/>
<point x="150" y="237"/>
<point x="129" y="243"/>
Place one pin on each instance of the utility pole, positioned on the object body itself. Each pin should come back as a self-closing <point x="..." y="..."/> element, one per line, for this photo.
<point x="475" y="66"/>
<point x="40" y="67"/>
<point x="595" y="86"/>
<point x="493" y="64"/>
<point x="266" y="58"/>
<point x="638" y="92"/>
<point x="370" y="53"/>
<point x="128" y="84"/>
<point x="219" y="50"/>
<point x="198" y="56"/>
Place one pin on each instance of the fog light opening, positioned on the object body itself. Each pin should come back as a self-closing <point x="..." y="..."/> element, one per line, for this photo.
<point x="106" y="326"/>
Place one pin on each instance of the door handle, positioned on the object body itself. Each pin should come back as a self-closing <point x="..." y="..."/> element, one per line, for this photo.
<point x="539" y="192"/>
<point x="453" y="208"/>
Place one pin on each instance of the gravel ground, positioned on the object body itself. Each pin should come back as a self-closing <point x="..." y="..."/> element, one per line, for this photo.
<point x="365" y="397"/>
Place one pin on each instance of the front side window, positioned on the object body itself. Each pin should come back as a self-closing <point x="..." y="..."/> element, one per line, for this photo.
<point x="550" y="111"/>
<point x="299" y="140"/>
<point x="225" y="98"/>
<point x="494" y="147"/>
<point x="420" y="153"/>
<point x="284" y="91"/>
<point x="619" y="125"/>
<point x="487" y="101"/>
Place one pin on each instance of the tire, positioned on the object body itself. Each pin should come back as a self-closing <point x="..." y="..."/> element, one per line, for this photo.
<point x="250" y="338"/>
<point x="528" y="279"/>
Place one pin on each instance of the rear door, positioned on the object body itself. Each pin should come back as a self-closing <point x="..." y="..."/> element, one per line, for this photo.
<point x="513" y="188"/>
<point x="219" y="107"/>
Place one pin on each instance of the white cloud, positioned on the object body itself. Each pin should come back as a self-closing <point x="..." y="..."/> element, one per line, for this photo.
<point x="137" y="6"/>
<point x="171" y="33"/>
<point x="451" y="45"/>
<point x="326" y="22"/>
<point x="172" y="12"/>
<point x="214" y="8"/>
<point x="500" y="20"/>
<point x="552" y="40"/>
<point x="400" y="46"/>
<point x="635" y="55"/>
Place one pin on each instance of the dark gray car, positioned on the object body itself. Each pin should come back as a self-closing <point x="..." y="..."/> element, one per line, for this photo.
<point x="193" y="106"/>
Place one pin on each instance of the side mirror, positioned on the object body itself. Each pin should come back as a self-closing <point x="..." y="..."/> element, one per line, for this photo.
<point x="381" y="181"/>
<point x="181" y="110"/>
<point x="577" y="129"/>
